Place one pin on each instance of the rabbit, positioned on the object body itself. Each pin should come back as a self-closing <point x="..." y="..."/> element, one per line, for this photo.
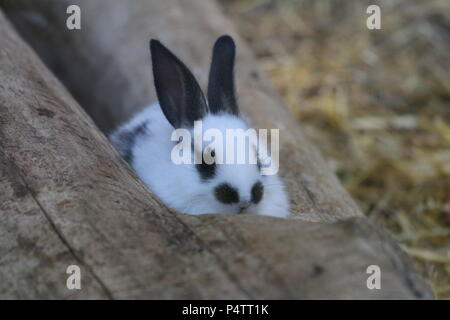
<point x="197" y="188"/>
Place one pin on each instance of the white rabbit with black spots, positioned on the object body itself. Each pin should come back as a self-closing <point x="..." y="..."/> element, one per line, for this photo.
<point x="146" y="142"/>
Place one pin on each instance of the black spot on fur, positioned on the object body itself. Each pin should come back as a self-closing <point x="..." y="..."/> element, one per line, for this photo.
<point x="226" y="194"/>
<point x="128" y="139"/>
<point x="207" y="171"/>
<point x="258" y="164"/>
<point x="257" y="192"/>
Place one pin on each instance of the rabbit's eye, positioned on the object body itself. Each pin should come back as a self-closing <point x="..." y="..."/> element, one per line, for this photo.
<point x="207" y="171"/>
<point x="257" y="192"/>
<point x="226" y="193"/>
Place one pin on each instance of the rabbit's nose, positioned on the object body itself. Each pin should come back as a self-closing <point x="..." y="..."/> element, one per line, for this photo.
<point x="244" y="205"/>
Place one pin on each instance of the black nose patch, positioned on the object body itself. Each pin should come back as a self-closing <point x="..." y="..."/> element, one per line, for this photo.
<point x="226" y="193"/>
<point x="257" y="192"/>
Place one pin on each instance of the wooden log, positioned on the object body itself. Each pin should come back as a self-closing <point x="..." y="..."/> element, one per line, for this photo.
<point x="106" y="66"/>
<point x="66" y="197"/>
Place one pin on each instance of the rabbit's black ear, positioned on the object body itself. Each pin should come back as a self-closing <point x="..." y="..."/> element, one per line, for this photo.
<point x="179" y="94"/>
<point x="221" y="94"/>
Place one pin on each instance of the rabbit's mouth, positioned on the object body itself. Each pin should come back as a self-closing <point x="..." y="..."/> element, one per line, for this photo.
<point x="243" y="208"/>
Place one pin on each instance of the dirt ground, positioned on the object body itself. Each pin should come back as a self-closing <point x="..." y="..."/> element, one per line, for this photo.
<point x="376" y="103"/>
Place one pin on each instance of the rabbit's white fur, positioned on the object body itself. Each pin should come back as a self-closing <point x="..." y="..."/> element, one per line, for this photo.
<point x="145" y="142"/>
<point x="180" y="186"/>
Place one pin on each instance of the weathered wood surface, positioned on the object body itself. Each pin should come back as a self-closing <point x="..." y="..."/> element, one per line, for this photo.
<point x="67" y="198"/>
<point x="106" y="65"/>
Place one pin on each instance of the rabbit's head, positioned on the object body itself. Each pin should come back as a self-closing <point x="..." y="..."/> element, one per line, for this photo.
<point x="227" y="186"/>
